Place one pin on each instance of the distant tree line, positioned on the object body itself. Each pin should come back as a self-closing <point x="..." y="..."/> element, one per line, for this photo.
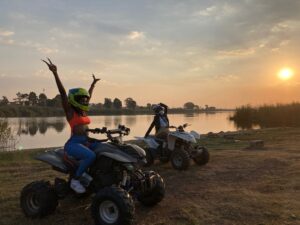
<point x="32" y="104"/>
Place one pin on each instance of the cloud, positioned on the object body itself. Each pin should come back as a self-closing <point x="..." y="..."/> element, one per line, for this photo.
<point x="6" y="41"/>
<point x="6" y="33"/>
<point x="216" y="12"/>
<point x="110" y="83"/>
<point x="46" y="50"/>
<point x="236" y="53"/>
<point x="208" y="11"/>
<point x="37" y="46"/>
<point x="136" y="35"/>
<point x="5" y="37"/>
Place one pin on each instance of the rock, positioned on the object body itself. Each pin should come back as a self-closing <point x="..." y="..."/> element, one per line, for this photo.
<point x="256" y="144"/>
<point x="212" y="135"/>
<point x="229" y="136"/>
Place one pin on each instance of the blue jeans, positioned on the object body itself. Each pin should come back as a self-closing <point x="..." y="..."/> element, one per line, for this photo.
<point x="76" y="147"/>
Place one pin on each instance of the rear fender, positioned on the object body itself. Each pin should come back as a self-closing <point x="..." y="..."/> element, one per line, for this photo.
<point x="149" y="141"/>
<point x="55" y="159"/>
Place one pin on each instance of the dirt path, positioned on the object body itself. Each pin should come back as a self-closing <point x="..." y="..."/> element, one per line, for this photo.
<point x="253" y="187"/>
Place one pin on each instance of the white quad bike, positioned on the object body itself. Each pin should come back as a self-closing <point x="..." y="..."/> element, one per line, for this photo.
<point x="179" y="148"/>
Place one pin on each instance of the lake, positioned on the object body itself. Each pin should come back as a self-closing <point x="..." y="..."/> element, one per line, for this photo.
<point x="54" y="131"/>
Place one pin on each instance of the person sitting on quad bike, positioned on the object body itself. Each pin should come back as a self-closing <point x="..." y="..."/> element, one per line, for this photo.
<point x="79" y="146"/>
<point x="160" y="121"/>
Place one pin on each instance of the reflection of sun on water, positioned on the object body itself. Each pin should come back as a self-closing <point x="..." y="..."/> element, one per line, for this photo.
<point x="285" y="74"/>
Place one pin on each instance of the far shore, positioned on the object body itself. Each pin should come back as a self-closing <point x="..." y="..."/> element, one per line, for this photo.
<point x="17" y="111"/>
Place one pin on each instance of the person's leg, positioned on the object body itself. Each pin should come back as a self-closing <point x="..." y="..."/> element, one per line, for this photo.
<point x="85" y="156"/>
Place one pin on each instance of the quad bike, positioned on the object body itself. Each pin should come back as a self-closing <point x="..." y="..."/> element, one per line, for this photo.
<point x="178" y="148"/>
<point x="115" y="177"/>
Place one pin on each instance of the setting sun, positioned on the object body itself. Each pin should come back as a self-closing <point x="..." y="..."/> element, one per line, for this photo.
<point x="285" y="74"/>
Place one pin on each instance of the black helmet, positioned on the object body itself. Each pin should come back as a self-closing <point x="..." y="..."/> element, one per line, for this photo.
<point x="157" y="108"/>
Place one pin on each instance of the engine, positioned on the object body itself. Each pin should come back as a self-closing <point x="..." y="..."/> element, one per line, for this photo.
<point x="106" y="172"/>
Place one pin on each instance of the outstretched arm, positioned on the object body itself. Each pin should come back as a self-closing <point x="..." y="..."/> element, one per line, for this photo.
<point x="95" y="80"/>
<point x="165" y="106"/>
<point x="60" y="87"/>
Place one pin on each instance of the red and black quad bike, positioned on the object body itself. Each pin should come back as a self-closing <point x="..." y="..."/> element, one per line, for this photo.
<point x="115" y="180"/>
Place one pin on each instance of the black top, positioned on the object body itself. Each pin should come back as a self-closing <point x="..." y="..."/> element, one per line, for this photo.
<point x="156" y="121"/>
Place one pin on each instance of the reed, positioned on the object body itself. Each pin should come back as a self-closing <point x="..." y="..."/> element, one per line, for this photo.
<point x="278" y="115"/>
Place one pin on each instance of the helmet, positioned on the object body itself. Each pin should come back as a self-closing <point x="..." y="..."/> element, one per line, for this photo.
<point x="75" y="95"/>
<point x="158" y="109"/>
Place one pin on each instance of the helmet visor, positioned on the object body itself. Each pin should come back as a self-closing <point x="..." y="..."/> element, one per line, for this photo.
<point x="83" y="100"/>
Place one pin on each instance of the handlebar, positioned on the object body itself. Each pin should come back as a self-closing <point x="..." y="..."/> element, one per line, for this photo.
<point x="181" y="127"/>
<point x="120" y="130"/>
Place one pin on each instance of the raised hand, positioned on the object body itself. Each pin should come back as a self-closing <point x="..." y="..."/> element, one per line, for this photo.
<point x="51" y="66"/>
<point x="95" y="80"/>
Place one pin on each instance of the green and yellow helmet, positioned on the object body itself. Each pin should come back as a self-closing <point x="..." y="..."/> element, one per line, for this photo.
<point x="74" y="96"/>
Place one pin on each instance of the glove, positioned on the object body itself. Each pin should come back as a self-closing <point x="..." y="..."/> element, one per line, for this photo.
<point x="97" y="130"/>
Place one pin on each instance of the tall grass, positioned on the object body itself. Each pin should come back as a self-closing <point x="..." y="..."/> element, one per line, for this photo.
<point x="268" y="115"/>
<point x="7" y="140"/>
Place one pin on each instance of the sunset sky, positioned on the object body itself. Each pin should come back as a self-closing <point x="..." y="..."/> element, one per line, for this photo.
<point x="224" y="53"/>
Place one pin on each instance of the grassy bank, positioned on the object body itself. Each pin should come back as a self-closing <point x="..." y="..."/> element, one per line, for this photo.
<point x="236" y="187"/>
<point x="268" y="115"/>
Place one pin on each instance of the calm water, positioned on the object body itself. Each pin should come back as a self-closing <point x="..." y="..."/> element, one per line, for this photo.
<point x="54" y="131"/>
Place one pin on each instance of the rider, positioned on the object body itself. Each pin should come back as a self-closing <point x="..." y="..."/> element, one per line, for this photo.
<point x="75" y="105"/>
<point x="160" y="121"/>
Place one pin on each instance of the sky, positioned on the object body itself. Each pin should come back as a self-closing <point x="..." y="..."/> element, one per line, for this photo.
<point x="223" y="53"/>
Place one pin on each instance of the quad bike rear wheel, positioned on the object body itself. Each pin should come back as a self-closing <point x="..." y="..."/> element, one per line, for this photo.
<point x="202" y="158"/>
<point x="112" y="206"/>
<point x="38" y="199"/>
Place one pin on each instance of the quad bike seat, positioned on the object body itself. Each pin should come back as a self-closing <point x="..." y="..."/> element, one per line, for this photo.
<point x="59" y="160"/>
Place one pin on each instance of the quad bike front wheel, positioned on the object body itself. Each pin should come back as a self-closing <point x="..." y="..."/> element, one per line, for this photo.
<point x="156" y="192"/>
<point x="38" y="199"/>
<point x="112" y="206"/>
<point x="180" y="159"/>
<point x="201" y="158"/>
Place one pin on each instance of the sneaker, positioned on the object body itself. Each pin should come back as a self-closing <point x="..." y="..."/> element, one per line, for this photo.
<point x="77" y="186"/>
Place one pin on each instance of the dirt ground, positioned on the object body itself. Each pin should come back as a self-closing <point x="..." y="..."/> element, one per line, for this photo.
<point x="237" y="186"/>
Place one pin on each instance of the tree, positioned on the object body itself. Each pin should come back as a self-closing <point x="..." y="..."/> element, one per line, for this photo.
<point x="4" y="101"/>
<point x="22" y="99"/>
<point x="57" y="101"/>
<point x="54" y="102"/>
<point x="32" y="98"/>
<point x="149" y="106"/>
<point x="189" y="105"/>
<point x="42" y="101"/>
<point x="130" y="103"/>
<point x="107" y="103"/>
<point x="117" y="103"/>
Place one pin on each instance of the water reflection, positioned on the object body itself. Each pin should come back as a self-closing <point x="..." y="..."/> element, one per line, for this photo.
<point x="189" y="115"/>
<point x="32" y="126"/>
<point x="37" y="132"/>
<point x="117" y="121"/>
<point x="130" y="121"/>
<point x="107" y="121"/>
